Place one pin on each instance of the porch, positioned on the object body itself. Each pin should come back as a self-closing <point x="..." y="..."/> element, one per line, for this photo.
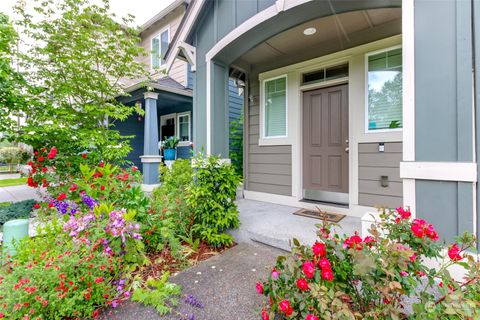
<point x="275" y="225"/>
<point x="311" y="130"/>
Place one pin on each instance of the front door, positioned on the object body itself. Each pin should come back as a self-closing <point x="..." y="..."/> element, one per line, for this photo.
<point x="325" y="144"/>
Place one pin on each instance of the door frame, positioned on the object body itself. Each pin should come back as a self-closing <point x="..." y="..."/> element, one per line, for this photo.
<point x="311" y="87"/>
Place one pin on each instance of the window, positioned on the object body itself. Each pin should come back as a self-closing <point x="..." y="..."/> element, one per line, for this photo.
<point x="384" y="94"/>
<point x="275" y="107"/>
<point x="159" y="48"/>
<point x="183" y="120"/>
<point x="325" y="74"/>
<point x="176" y="124"/>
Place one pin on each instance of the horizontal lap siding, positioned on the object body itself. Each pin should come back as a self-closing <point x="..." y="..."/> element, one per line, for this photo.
<point x="373" y="164"/>
<point x="269" y="168"/>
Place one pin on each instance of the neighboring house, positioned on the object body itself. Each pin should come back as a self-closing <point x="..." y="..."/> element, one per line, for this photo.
<point x="349" y="104"/>
<point x="167" y="100"/>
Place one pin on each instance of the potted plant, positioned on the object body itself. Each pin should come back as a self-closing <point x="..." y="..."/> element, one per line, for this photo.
<point x="169" y="148"/>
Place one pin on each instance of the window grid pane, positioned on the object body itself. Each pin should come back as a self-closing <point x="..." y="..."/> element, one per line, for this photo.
<point x="155" y="53"/>
<point x="385" y="90"/>
<point x="184" y="125"/>
<point x="275" y="108"/>
<point x="164" y="44"/>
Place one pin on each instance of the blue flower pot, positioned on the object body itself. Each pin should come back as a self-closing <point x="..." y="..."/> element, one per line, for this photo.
<point x="169" y="154"/>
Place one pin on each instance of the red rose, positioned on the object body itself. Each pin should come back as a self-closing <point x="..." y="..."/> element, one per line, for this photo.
<point x="308" y="269"/>
<point x="36" y="206"/>
<point x="311" y="317"/>
<point x="41" y="158"/>
<point x="73" y="187"/>
<point x="95" y="313"/>
<point x="417" y="230"/>
<point x="324" y="263"/>
<point x="431" y="233"/>
<point x="354" y="242"/>
<point x="327" y="274"/>
<point x="84" y="155"/>
<point x="454" y="252"/>
<point x="369" y="241"/>
<point x="98" y="280"/>
<point x="61" y="196"/>
<point x="318" y="249"/>
<point x="265" y="315"/>
<point x="404" y="214"/>
<point x="102" y="188"/>
<point x="286" y="308"/>
<point x="52" y="153"/>
<point x="259" y="287"/>
<point x="302" y="284"/>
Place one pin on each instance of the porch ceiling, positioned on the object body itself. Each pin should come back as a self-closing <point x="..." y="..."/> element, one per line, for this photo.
<point x="334" y="33"/>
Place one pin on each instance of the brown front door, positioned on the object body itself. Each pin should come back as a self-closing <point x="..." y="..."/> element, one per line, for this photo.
<point x="325" y="144"/>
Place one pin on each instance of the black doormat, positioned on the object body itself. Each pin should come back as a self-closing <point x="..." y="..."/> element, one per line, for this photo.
<point x="321" y="215"/>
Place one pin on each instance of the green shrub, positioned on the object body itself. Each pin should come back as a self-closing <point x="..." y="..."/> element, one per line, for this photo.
<point x="14" y="155"/>
<point x="236" y="144"/>
<point x="169" y="217"/>
<point x="212" y="197"/>
<point x="16" y="210"/>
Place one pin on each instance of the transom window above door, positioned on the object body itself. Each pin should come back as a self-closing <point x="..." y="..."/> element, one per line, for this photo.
<point x="384" y="90"/>
<point x="159" y="48"/>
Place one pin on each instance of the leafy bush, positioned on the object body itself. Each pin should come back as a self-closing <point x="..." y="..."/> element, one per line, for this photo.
<point x="159" y="294"/>
<point x="236" y="144"/>
<point x="347" y="277"/>
<point x="169" y="217"/>
<point x="16" y="210"/>
<point x="212" y="197"/>
<point x="72" y="268"/>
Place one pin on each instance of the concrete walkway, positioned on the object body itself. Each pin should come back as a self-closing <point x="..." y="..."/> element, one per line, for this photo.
<point x="275" y="225"/>
<point x="224" y="284"/>
<point x="17" y="193"/>
<point x="4" y="176"/>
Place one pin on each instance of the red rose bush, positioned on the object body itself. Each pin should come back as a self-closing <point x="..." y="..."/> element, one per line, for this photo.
<point x="374" y="277"/>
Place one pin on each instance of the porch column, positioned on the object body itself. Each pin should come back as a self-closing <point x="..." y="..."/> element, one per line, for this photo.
<point x="150" y="158"/>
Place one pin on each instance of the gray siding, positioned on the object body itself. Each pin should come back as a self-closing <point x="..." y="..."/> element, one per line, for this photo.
<point x="443" y="109"/>
<point x="372" y="165"/>
<point x="269" y="168"/>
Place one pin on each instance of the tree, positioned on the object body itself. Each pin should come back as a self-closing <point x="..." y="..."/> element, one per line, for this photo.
<point x="11" y="82"/>
<point x="75" y="59"/>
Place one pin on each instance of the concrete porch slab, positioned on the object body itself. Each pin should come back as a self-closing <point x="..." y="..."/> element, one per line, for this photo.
<point x="275" y="225"/>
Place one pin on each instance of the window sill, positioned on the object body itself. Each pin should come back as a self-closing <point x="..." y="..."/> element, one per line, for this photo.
<point x="280" y="141"/>
<point x="184" y="144"/>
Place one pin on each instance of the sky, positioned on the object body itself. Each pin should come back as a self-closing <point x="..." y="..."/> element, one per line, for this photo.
<point x="143" y="10"/>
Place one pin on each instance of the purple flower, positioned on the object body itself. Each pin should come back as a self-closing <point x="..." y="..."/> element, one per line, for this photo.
<point x="89" y="202"/>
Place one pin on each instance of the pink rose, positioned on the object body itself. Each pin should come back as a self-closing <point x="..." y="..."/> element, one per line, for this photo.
<point x="311" y="317"/>
<point x="259" y="287"/>
<point x="308" y="269"/>
<point x="454" y="252"/>
<point x="327" y="274"/>
<point x="265" y="315"/>
<point x="275" y="273"/>
<point x="324" y="263"/>
<point x="302" y="284"/>
<point x="405" y="214"/>
<point x="318" y="249"/>
<point x="286" y="308"/>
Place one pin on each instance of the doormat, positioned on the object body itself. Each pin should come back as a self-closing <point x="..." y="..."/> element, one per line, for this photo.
<point x="317" y="214"/>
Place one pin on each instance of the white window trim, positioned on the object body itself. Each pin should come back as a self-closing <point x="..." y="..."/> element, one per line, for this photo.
<point x="177" y="128"/>
<point x="368" y="54"/>
<point x="158" y="35"/>
<point x="273" y="140"/>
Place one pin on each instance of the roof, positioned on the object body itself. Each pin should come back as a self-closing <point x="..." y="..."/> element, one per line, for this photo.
<point x="162" y="14"/>
<point x="163" y="84"/>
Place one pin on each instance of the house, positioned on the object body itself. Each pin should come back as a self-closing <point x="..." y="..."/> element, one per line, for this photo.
<point x="348" y="104"/>
<point x="167" y="100"/>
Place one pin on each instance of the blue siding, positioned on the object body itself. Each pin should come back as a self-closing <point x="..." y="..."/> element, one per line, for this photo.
<point x="443" y="109"/>
<point x="133" y="127"/>
<point x="189" y="77"/>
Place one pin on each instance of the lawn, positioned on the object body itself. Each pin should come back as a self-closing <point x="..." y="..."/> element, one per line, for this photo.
<point x="12" y="182"/>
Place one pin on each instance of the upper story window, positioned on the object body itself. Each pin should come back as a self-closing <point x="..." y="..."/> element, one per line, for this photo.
<point x="384" y="94"/>
<point x="275" y="107"/>
<point x="159" y="47"/>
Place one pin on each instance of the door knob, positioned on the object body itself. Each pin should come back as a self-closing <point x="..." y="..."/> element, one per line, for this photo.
<point x="347" y="149"/>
